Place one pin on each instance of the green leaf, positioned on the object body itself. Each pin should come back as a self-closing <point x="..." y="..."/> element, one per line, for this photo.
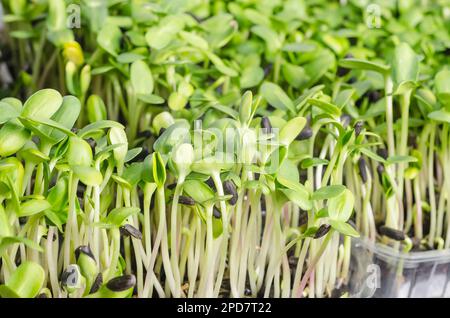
<point x="7" y="112"/>
<point x="151" y="99"/>
<point x="296" y="192"/>
<point x="271" y="38"/>
<point x="88" y="175"/>
<point x="26" y="281"/>
<point x="109" y="39"/>
<point x="369" y="153"/>
<point x="96" y="109"/>
<point x="99" y="125"/>
<point x="398" y="159"/>
<point x="312" y="162"/>
<point x="442" y="85"/>
<point x="300" y="198"/>
<point x="343" y="228"/>
<point x="141" y="78"/>
<point x="118" y="217"/>
<point x="42" y="104"/>
<point x="251" y="76"/>
<point x="291" y="130"/>
<point x="198" y="191"/>
<point x="440" y="116"/>
<point x="325" y="106"/>
<point x="79" y="152"/>
<point x="132" y="153"/>
<point x="12" y="138"/>
<point x="159" y="169"/>
<point x="364" y="65"/>
<point x="158" y="37"/>
<point x="328" y="192"/>
<point x="341" y="207"/>
<point x="276" y="97"/>
<point x="34" y="206"/>
<point x="7" y="241"/>
<point x="118" y="136"/>
<point x="129" y="57"/>
<point x="220" y="65"/>
<point x="405" y="65"/>
<point x="194" y="40"/>
<point x="217" y="227"/>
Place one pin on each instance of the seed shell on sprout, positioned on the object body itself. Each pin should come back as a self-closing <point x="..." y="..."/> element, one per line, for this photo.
<point x="358" y="128"/>
<point x="92" y="143"/>
<point x="98" y="282"/>
<point x="161" y="131"/>
<point x="145" y="134"/>
<point x="303" y="218"/>
<point x="121" y="283"/>
<point x="374" y="96"/>
<point x="380" y="171"/>
<point x="185" y="200"/>
<point x="382" y="152"/>
<point x="210" y="183"/>
<point x="322" y="231"/>
<point x="230" y="189"/>
<point x="305" y="134"/>
<point x="362" y="169"/>
<point x="216" y="213"/>
<point x="171" y="186"/>
<point x="266" y="125"/>
<point x="129" y="230"/>
<point x="394" y="234"/>
<point x="84" y="249"/>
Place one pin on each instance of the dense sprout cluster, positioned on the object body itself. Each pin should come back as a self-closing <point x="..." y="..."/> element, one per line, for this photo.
<point x="218" y="149"/>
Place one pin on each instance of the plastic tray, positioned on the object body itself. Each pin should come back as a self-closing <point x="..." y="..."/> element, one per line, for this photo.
<point x="382" y="272"/>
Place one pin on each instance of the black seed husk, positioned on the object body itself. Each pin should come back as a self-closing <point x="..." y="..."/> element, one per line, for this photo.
<point x="341" y="71"/>
<point x="92" y="143"/>
<point x="172" y="186"/>
<point x="98" y="282"/>
<point x="145" y="134"/>
<point x="268" y="69"/>
<point x="380" y="171"/>
<point x="392" y="233"/>
<point x="230" y="189"/>
<point x="303" y="218"/>
<point x="358" y="127"/>
<point x="161" y="131"/>
<point x="23" y="220"/>
<point x="185" y="200"/>
<point x="374" y="96"/>
<point x="306" y="133"/>
<point x="216" y="213"/>
<point x="86" y="250"/>
<point x="265" y="124"/>
<point x="210" y="183"/>
<point x="322" y="231"/>
<point x="129" y="230"/>
<point x="362" y="169"/>
<point x="42" y="296"/>
<point x="382" y="152"/>
<point x="121" y="283"/>
<point x="412" y="140"/>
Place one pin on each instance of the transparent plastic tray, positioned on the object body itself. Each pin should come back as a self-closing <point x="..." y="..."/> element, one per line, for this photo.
<point x="382" y="272"/>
